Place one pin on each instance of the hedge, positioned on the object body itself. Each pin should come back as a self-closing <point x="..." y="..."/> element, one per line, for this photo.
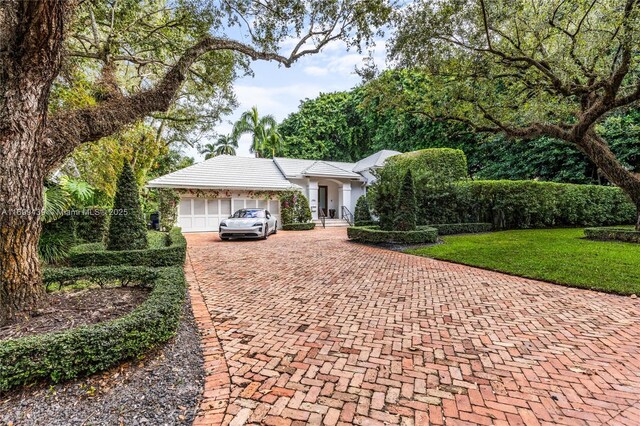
<point x="429" y="167"/>
<point x="299" y="226"/>
<point x="366" y="223"/>
<point x="101" y="275"/>
<point x="524" y="204"/>
<point x="461" y="228"/>
<point x="95" y="255"/>
<point x="613" y="234"/>
<point x="374" y="235"/>
<point x="88" y="349"/>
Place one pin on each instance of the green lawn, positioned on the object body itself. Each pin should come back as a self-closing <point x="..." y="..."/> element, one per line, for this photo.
<point x="558" y="255"/>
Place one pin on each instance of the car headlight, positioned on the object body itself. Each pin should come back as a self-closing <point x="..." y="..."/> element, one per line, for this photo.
<point x="257" y="224"/>
<point x="223" y="224"/>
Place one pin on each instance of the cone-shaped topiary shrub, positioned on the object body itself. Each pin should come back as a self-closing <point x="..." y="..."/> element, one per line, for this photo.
<point x="362" y="212"/>
<point x="127" y="228"/>
<point x="405" y="218"/>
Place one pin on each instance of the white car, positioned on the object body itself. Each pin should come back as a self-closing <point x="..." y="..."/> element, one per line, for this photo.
<point x="249" y="223"/>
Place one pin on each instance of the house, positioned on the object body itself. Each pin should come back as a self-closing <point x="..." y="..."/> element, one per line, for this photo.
<point x="212" y="190"/>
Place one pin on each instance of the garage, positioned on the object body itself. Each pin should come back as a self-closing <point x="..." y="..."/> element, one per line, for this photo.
<point x="197" y="214"/>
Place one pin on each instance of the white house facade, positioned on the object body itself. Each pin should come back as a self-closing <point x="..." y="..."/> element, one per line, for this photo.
<point x="212" y="190"/>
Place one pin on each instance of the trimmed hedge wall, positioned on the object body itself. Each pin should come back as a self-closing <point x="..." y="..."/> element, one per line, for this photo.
<point x="366" y="223"/>
<point x="375" y="235"/>
<point x="95" y="255"/>
<point x="88" y="349"/>
<point x="613" y="234"/>
<point x="461" y="228"/>
<point x="524" y="204"/>
<point x="298" y="226"/>
<point x="101" y="275"/>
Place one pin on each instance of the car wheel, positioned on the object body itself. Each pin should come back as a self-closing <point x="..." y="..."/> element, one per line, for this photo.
<point x="275" y="229"/>
<point x="266" y="232"/>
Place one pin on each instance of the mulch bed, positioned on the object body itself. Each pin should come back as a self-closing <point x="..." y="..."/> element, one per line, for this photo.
<point x="163" y="388"/>
<point x="70" y="309"/>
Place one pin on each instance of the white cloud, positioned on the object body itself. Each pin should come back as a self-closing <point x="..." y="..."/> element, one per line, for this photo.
<point x="315" y="71"/>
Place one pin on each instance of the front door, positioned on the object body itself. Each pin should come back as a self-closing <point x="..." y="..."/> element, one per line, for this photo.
<point x="322" y="200"/>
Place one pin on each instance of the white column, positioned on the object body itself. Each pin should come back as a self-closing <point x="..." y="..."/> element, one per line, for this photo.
<point x="313" y="199"/>
<point x="346" y="197"/>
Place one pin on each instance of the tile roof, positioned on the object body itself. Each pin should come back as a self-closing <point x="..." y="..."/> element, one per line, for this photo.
<point x="226" y="172"/>
<point x="374" y="161"/>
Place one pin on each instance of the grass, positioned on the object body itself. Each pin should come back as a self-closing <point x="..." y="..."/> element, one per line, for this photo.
<point x="561" y="256"/>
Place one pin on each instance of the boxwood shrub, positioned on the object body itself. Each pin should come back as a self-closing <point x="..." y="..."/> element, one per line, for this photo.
<point x="461" y="228"/>
<point x="613" y="234"/>
<point x="375" y="235"/>
<point x="366" y="223"/>
<point x="101" y="275"/>
<point x="95" y="254"/>
<point x="299" y="226"/>
<point x="88" y="349"/>
<point x="524" y="204"/>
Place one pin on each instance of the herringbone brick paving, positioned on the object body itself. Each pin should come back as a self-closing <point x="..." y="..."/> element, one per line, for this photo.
<point x="315" y="329"/>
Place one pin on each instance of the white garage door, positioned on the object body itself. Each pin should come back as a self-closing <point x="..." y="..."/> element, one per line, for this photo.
<point x="205" y="214"/>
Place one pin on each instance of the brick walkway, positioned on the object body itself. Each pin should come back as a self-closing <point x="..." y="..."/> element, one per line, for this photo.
<point x="318" y="330"/>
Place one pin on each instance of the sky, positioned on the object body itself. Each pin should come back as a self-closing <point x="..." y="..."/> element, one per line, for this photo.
<point x="278" y="90"/>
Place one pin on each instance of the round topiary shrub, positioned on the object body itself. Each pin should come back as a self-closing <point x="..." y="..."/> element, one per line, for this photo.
<point x="375" y="235"/>
<point x="127" y="227"/>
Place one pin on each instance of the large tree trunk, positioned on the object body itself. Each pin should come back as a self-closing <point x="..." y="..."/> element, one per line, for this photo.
<point x="600" y="153"/>
<point x="21" y="289"/>
<point x="31" y="34"/>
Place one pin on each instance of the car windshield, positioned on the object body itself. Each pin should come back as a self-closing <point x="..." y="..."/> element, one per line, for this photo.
<point x="248" y="214"/>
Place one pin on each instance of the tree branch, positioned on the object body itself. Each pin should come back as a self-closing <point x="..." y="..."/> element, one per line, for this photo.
<point x="66" y="130"/>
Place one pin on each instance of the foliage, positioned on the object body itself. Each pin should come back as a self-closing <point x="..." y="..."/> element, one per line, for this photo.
<point x="405" y="214"/>
<point x="225" y="145"/>
<point x="294" y="208"/>
<point x="325" y="128"/>
<point x="555" y="69"/>
<point x="558" y="255"/>
<point x="260" y="129"/>
<point x="99" y="163"/>
<point x="382" y="114"/>
<point x="101" y="275"/>
<point x="95" y="255"/>
<point x="375" y="235"/>
<point x="127" y="227"/>
<point x="524" y="204"/>
<point x="85" y="350"/>
<point x="437" y="166"/>
<point x="168" y="200"/>
<point x="362" y="211"/>
<point x="56" y="239"/>
<point x="91" y="225"/>
<point x="613" y="234"/>
<point x="461" y="228"/>
<point x="299" y="226"/>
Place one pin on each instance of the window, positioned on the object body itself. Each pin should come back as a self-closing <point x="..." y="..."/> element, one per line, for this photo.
<point x="199" y="206"/>
<point x="185" y="207"/>
<point x="225" y="206"/>
<point x="249" y="214"/>
<point x="213" y="206"/>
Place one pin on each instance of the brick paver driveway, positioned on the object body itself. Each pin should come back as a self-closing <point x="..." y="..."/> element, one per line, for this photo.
<point x="318" y="330"/>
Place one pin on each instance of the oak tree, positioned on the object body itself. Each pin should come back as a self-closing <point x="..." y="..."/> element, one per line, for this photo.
<point x="36" y="44"/>
<point x="529" y="69"/>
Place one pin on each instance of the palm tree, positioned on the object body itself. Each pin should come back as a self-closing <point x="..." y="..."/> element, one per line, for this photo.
<point x="258" y="127"/>
<point x="226" y="145"/>
<point x="273" y="143"/>
<point x="209" y="150"/>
